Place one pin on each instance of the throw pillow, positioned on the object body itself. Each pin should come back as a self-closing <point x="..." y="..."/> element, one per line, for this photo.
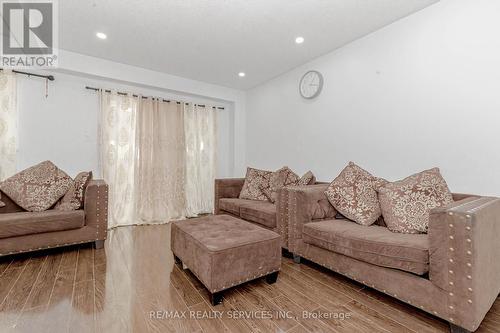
<point x="279" y="178"/>
<point x="286" y="177"/>
<point x="2" y="204"/>
<point x="37" y="188"/>
<point x="73" y="199"/>
<point x="406" y="204"/>
<point x="307" y="179"/>
<point x="354" y="194"/>
<point x="256" y="182"/>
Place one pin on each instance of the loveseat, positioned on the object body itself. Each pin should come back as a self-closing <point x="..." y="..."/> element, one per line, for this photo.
<point x="22" y="231"/>
<point x="452" y="272"/>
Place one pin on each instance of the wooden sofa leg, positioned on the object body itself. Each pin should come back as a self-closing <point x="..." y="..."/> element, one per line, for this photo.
<point x="457" y="329"/>
<point x="216" y="298"/>
<point x="296" y="258"/>
<point x="272" y="278"/>
<point x="99" y="244"/>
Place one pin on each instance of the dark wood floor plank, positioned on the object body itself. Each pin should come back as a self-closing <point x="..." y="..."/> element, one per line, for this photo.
<point x="247" y="310"/>
<point x="4" y="264"/>
<point x="8" y="280"/>
<point x="187" y="291"/>
<point x="209" y="322"/>
<point x="82" y="305"/>
<point x="16" y="299"/>
<point x="377" y="318"/>
<point x="299" y="329"/>
<point x="42" y="289"/>
<point x="85" y="266"/>
<point x="61" y="297"/>
<point x="310" y="324"/>
<point x="314" y="289"/>
<point x="263" y="304"/>
<point x="70" y="255"/>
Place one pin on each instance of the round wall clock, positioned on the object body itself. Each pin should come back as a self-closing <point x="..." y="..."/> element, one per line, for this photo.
<point x="311" y="84"/>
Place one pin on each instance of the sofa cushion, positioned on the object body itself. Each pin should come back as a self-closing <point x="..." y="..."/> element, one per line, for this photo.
<point x="374" y="244"/>
<point x="37" y="188"/>
<point x="255" y="182"/>
<point x="260" y="212"/>
<point x="406" y="204"/>
<point x="73" y="199"/>
<point x="231" y="205"/>
<point x="353" y="193"/>
<point x="27" y="223"/>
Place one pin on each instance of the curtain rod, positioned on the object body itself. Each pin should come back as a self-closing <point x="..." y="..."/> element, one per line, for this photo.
<point x="164" y="100"/>
<point x="47" y="77"/>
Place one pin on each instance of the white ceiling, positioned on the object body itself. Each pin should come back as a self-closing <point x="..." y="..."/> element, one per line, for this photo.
<point x="213" y="40"/>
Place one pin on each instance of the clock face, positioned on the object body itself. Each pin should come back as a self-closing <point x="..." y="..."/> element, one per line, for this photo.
<point x="311" y="84"/>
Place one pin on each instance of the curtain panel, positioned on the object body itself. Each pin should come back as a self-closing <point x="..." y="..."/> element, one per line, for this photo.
<point x="161" y="162"/>
<point x="158" y="158"/>
<point x="8" y="124"/>
<point x="201" y="133"/>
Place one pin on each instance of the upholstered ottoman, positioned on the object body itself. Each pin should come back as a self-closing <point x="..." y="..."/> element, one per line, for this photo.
<point x="224" y="251"/>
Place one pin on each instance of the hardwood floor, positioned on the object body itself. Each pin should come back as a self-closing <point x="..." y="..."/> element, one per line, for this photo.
<point x="133" y="286"/>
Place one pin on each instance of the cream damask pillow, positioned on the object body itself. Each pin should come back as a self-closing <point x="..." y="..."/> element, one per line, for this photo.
<point x="256" y="182"/>
<point x="285" y="177"/>
<point x="406" y="204"/>
<point x="73" y="199"/>
<point x="307" y="179"/>
<point x="37" y="188"/>
<point x="354" y="194"/>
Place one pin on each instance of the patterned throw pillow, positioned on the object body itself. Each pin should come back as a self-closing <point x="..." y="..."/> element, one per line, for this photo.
<point x="73" y="199"/>
<point x="37" y="188"/>
<point x="279" y="178"/>
<point x="307" y="179"/>
<point x="406" y="203"/>
<point x="354" y="194"/>
<point x="286" y="177"/>
<point x="256" y="182"/>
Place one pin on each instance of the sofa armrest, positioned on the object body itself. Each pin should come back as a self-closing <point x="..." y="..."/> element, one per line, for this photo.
<point x="227" y="188"/>
<point x="464" y="251"/>
<point x="96" y="207"/>
<point x="306" y="204"/>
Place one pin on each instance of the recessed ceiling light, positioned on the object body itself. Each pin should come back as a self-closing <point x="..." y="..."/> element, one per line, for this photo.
<point x="101" y="35"/>
<point x="241" y="74"/>
<point x="299" y="40"/>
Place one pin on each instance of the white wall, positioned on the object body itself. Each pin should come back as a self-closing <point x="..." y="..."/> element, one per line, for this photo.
<point x="63" y="126"/>
<point x="422" y="92"/>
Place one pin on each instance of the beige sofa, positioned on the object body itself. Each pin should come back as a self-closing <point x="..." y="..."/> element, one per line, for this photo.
<point x="22" y="231"/>
<point x="452" y="272"/>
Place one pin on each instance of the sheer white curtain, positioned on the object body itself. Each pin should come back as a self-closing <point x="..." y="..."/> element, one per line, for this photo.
<point x="161" y="159"/>
<point x="8" y="123"/>
<point x="200" y="128"/>
<point x="117" y="158"/>
<point x="158" y="159"/>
